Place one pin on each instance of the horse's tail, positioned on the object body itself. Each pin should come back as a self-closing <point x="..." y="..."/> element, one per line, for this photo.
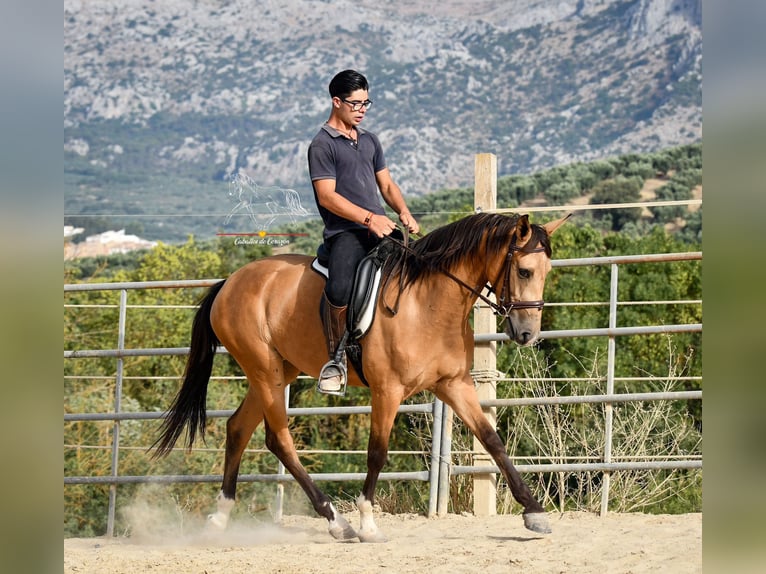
<point x="189" y="406"/>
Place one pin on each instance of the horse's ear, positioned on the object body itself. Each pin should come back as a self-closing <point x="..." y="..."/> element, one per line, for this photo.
<point x="523" y="231"/>
<point x="552" y="226"/>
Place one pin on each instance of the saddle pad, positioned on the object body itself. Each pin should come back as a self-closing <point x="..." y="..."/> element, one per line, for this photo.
<point x="319" y="268"/>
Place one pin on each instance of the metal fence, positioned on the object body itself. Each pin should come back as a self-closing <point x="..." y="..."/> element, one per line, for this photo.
<point x="440" y="467"/>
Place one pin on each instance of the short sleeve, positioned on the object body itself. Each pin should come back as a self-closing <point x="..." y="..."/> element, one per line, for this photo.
<point x="378" y="158"/>
<point x="321" y="161"/>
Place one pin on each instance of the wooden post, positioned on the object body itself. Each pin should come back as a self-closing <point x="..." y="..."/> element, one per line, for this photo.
<point x="485" y="354"/>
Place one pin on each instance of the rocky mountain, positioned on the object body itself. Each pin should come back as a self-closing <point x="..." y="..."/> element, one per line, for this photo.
<point x="163" y="100"/>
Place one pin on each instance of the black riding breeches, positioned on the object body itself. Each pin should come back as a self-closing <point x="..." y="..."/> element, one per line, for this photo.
<point x="346" y="249"/>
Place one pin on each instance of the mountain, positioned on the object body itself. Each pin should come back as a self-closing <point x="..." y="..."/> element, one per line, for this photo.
<point x="164" y="101"/>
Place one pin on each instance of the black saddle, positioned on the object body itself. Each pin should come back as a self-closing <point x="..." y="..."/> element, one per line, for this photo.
<point x="364" y="294"/>
<point x="365" y="287"/>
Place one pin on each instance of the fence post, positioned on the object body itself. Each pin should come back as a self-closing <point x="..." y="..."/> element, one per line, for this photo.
<point x="442" y="502"/>
<point x="436" y="445"/>
<point x="117" y="409"/>
<point x="485" y="354"/>
<point x="279" y="501"/>
<point x="608" y="408"/>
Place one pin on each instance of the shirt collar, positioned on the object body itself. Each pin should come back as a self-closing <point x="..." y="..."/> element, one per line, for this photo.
<point x="335" y="133"/>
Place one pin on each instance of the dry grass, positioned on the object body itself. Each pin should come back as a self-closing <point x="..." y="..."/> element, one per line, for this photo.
<point x="641" y="431"/>
<point x="575" y="433"/>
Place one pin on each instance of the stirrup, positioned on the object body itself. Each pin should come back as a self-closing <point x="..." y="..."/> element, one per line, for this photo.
<point x="333" y="369"/>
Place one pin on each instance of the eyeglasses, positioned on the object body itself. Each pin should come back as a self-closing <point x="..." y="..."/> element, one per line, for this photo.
<point x="356" y="106"/>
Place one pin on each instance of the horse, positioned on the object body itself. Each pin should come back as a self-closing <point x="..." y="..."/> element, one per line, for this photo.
<point x="266" y="314"/>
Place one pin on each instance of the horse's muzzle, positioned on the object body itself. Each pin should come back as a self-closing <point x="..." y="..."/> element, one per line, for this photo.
<point x="523" y="335"/>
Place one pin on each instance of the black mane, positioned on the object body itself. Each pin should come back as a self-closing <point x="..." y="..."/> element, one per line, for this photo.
<point x="444" y="248"/>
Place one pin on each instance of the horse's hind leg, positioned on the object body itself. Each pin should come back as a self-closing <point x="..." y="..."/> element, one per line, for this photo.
<point x="280" y="442"/>
<point x="268" y="384"/>
<point x="239" y="429"/>
<point x="461" y="396"/>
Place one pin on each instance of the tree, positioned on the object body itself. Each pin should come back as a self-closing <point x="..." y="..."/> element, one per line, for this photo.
<point x="618" y="190"/>
<point x="515" y="189"/>
<point x="602" y="169"/>
<point x="561" y="192"/>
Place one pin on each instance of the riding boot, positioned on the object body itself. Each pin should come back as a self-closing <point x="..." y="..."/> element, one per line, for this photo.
<point x="333" y="376"/>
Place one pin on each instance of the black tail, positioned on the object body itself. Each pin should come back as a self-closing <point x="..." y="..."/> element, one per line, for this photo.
<point x="189" y="406"/>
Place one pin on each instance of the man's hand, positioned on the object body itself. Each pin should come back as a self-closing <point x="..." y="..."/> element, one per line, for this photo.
<point x="409" y="222"/>
<point x="381" y="225"/>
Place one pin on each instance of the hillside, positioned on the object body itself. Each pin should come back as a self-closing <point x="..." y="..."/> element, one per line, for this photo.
<point x="163" y="102"/>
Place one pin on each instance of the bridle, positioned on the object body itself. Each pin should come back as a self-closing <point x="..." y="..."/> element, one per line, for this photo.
<point x="505" y="304"/>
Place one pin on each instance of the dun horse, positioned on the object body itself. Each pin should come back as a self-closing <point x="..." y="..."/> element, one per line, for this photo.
<point x="266" y="315"/>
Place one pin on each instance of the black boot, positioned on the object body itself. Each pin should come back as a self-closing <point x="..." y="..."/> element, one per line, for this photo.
<point x="333" y="376"/>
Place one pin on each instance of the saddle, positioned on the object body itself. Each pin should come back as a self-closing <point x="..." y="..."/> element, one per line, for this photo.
<point x="364" y="296"/>
<point x="364" y="293"/>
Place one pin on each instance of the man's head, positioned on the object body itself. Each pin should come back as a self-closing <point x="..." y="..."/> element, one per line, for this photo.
<point x="346" y="82"/>
<point x="348" y="90"/>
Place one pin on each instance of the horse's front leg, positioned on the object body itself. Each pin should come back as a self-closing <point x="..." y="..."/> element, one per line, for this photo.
<point x="461" y="396"/>
<point x="384" y="410"/>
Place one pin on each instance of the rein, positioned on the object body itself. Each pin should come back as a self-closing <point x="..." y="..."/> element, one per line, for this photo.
<point x="502" y="308"/>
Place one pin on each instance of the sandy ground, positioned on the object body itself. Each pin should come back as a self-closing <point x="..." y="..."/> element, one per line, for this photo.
<point x="580" y="542"/>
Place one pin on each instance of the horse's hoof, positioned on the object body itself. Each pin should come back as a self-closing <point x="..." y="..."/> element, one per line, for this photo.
<point x="376" y="536"/>
<point x="340" y="529"/>
<point x="217" y="521"/>
<point x="537" y="522"/>
<point x="340" y="533"/>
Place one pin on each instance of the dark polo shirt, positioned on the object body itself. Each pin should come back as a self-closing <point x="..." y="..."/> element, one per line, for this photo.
<point x="353" y="166"/>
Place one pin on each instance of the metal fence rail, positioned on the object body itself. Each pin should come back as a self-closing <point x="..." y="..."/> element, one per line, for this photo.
<point x="440" y="466"/>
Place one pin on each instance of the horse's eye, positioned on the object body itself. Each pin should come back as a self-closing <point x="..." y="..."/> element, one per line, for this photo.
<point x="524" y="273"/>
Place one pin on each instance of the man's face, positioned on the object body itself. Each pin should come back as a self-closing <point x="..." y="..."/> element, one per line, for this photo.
<point x="345" y="107"/>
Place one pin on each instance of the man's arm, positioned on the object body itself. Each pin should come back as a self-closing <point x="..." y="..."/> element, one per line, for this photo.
<point x="332" y="201"/>
<point x="394" y="198"/>
<point x="336" y="203"/>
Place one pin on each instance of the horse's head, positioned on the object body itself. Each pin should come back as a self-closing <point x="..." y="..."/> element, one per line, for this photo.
<point x="520" y="290"/>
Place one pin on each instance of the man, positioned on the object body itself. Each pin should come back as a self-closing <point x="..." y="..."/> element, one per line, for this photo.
<point x="348" y="168"/>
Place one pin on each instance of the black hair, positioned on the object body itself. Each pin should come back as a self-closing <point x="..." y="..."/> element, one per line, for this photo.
<point x="445" y="247"/>
<point x="346" y="82"/>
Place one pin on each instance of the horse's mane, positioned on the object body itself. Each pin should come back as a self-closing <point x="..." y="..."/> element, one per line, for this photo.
<point x="444" y="248"/>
